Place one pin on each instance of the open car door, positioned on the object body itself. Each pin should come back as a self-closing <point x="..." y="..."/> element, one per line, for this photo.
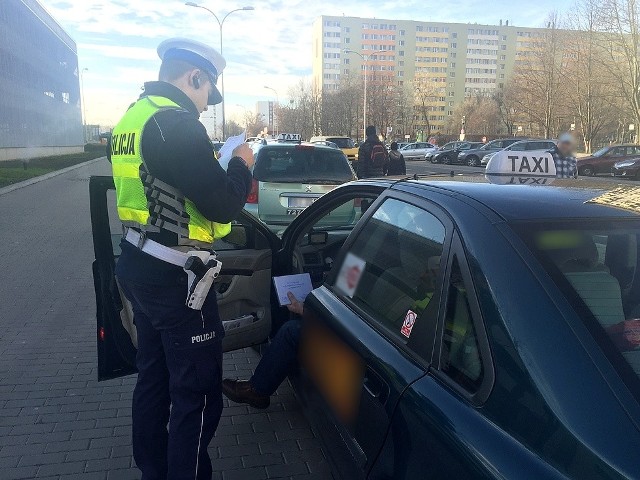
<point x="243" y="287"/>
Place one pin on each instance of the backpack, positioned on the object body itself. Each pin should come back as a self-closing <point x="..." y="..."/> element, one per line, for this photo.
<point x="378" y="155"/>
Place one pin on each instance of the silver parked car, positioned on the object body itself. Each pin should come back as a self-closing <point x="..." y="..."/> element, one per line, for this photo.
<point x="416" y="151"/>
<point x="523" y="146"/>
<point x="289" y="177"/>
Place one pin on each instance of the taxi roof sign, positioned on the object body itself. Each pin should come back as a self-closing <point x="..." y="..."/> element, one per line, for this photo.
<point x="289" y="137"/>
<point x="536" y="163"/>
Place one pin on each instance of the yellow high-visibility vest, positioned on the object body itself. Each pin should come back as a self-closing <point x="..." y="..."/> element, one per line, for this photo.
<point x="143" y="201"/>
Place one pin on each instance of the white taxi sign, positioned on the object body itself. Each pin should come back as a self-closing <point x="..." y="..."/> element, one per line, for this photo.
<point x="289" y="137"/>
<point x="535" y="163"/>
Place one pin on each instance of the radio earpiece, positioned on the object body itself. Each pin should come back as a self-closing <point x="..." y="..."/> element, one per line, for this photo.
<point x="196" y="82"/>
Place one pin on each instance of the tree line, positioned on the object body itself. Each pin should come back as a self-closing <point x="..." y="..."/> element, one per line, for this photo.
<point x="580" y="73"/>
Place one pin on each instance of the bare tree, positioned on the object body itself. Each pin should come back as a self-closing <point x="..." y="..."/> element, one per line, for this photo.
<point x="233" y="128"/>
<point x="619" y="20"/>
<point x="481" y="116"/>
<point x="426" y="92"/>
<point x="254" y="123"/>
<point x="505" y="99"/>
<point x="537" y="78"/>
<point x="592" y="91"/>
<point x="304" y="113"/>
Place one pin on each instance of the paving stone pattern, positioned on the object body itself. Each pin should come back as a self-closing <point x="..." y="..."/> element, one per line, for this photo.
<point x="56" y="420"/>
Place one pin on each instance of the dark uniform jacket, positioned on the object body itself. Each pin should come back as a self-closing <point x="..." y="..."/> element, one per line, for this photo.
<point x="365" y="169"/>
<point x="177" y="150"/>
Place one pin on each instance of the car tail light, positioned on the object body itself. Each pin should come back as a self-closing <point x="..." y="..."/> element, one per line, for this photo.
<point x="304" y="147"/>
<point x="253" y="194"/>
<point x="101" y="334"/>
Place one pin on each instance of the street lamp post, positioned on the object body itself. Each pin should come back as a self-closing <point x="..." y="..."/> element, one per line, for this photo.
<point x="84" y="108"/>
<point x="364" y="58"/>
<point x="275" y="118"/>
<point x="220" y="24"/>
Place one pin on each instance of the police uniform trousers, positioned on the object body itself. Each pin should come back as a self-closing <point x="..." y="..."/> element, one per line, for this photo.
<point x="179" y="362"/>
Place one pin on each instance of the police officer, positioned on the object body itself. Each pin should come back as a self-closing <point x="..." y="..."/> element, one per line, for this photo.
<point x="175" y="200"/>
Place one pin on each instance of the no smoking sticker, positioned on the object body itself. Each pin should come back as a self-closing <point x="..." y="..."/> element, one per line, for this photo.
<point x="409" y="322"/>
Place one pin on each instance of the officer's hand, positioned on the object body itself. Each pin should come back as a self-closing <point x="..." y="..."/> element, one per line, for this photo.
<point x="296" y="306"/>
<point x="244" y="152"/>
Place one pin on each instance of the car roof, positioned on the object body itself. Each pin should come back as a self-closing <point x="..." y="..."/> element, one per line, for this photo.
<point x="561" y="199"/>
<point x="295" y="144"/>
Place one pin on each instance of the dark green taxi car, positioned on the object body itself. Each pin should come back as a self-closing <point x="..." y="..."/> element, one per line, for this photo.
<point x="458" y="329"/>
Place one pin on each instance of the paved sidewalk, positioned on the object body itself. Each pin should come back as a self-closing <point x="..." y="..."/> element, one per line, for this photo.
<point x="56" y="420"/>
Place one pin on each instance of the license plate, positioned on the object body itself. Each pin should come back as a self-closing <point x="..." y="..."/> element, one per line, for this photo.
<point x="295" y="212"/>
<point x="301" y="202"/>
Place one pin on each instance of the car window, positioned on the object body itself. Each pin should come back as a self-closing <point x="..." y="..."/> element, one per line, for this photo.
<point x="601" y="152"/>
<point x="596" y="267"/>
<point x="618" y="151"/>
<point x="302" y="163"/>
<point x="392" y="269"/>
<point x="460" y="358"/>
<point x="411" y="146"/>
<point x="341" y="142"/>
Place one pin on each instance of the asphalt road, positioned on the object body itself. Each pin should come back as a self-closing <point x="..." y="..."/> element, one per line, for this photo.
<point x="56" y="420"/>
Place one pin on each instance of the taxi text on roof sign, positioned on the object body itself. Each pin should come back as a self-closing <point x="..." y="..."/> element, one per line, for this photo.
<point x="290" y="137"/>
<point x="529" y="164"/>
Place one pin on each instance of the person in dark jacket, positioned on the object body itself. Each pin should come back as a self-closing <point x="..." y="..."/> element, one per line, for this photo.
<point x="365" y="166"/>
<point x="396" y="161"/>
<point x="177" y="400"/>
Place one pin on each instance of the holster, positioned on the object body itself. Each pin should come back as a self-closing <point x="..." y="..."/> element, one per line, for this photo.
<point x="202" y="269"/>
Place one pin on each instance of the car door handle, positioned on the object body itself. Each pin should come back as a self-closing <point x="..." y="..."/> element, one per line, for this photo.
<point x="374" y="385"/>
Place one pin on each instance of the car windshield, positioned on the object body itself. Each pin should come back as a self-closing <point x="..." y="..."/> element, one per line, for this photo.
<point x="602" y="152"/>
<point x="302" y="164"/>
<point x="341" y="142"/>
<point x="596" y="267"/>
<point x="490" y="145"/>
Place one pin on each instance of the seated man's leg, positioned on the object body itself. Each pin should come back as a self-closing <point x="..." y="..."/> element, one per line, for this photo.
<point x="276" y="363"/>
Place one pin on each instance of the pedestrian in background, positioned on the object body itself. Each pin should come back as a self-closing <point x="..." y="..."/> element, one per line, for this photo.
<point x="372" y="156"/>
<point x="396" y="166"/>
<point x="564" y="156"/>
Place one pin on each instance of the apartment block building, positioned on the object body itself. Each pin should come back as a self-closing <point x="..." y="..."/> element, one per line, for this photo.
<point x="458" y="59"/>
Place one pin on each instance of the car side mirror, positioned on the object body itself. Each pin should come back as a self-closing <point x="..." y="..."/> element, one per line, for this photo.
<point x="238" y="236"/>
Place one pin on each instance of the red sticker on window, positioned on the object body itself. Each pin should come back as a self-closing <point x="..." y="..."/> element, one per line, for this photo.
<point x="625" y="335"/>
<point x="409" y="322"/>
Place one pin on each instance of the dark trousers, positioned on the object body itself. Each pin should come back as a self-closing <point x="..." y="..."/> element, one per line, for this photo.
<point x="279" y="359"/>
<point x="179" y="362"/>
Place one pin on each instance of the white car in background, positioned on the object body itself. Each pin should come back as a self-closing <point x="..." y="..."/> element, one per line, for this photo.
<point x="523" y="146"/>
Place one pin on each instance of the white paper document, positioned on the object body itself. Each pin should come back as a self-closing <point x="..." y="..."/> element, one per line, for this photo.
<point x="299" y="285"/>
<point x="226" y="150"/>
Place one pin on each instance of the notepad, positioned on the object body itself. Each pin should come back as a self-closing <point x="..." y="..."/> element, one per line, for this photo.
<point x="299" y="285"/>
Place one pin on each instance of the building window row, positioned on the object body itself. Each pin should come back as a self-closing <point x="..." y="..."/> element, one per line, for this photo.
<point x="479" y="80"/>
<point x="432" y="49"/>
<point x="486" y="71"/>
<point x="375" y="36"/>
<point x="481" y="61"/>
<point x="331" y="45"/>
<point x="332" y="34"/>
<point x="480" y="41"/>
<point x="481" y="51"/>
<point x="431" y="29"/>
<point x="431" y="69"/>
<point x="331" y="23"/>
<point x="378" y="68"/>
<point x="382" y="48"/>
<point x="482" y="31"/>
<point x="431" y="59"/>
<point x="331" y="55"/>
<point x="433" y="39"/>
<point x="376" y="26"/>
<point x="530" y="34"/>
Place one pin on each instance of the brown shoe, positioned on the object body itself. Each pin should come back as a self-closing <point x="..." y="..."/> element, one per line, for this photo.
<point x="241" y="391"/>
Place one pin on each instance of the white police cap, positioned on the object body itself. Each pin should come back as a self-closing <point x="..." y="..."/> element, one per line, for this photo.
<point x="199" y="55"/>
